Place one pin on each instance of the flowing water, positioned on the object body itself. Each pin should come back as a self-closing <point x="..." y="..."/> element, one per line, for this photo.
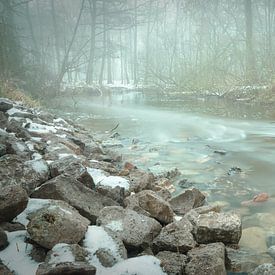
<point x="206" y="140"/>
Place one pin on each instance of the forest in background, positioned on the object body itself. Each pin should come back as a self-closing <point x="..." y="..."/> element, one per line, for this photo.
<point x="187" y="44"/>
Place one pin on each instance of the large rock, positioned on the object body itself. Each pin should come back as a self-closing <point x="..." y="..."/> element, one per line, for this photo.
<point x="3" y="120"/>
<point x="5" y="104"/>
<point x="88" y="202"/>
<point x="14" y="170"/>
<point x="15" y="127"/>
<point x="13" y="201"/>
<point x="175" y="237"/>
<point x="218" y="227"/>
<point x="3" y="239"/>
<point x="245" y="260"/>
<point x="134" y="229"/>
<point x="4" y="270"/>
<point x="156" y="206"/>
<point x="186" y="201"/>
<point x="140" y="180"/>
<point x="66" y="269"/>
<point x="57" y="223"/>
<point x="73" y="167"/>
<point x="206" y="259"/>
<point x="172" y="262"/>
<point x="117" y="193"/>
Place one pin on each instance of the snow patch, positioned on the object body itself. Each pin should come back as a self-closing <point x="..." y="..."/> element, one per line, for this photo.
<point x="38" y="165"/>
<point x="16" y="255"/>
<point x="41" y="129"/>
<point x="61" y="254"/>
<point x="115" y="226"/>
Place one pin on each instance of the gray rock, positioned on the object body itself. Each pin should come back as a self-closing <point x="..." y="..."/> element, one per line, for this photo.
<point x="88" y="202"/>
<point x="14" y="112"/>
<point x="10" y="227"/>
<point x="271" y="251"/>
<point x="175" y="237"/>
<point x="140" y="180"/>
<point x="5" y="104"/>
<point x="206" y="259"/>
<point x="4" y="270"/>
<point x="76" y="268"/>
<point x="218" y="227"/>
<point x="105" y="257"/>
<point x="3" y="120"/>
<point x="270" y="240"/>
<point x="13" y="201"/>
<point x="117" y="193"/>
<point x="245" y="260"/>
<point x="134" y="229"/>
<point x="14" y="170"/>
<point x="3" y="150"/>
<point x="57" y="223"/>
<point x="14" y="126"/>
<point x="264" y="269"/>
<point x="172" y="262"/>
<point x="186" y="201"/>
<point x="155" y="205"/>
<point x="3" y="239"/>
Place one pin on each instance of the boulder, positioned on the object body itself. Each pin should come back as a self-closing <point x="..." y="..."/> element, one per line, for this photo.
<point x="245" y="260"/>
<point x="13" y="201"/>
<point x="140" y="180"/>
<point x="172" y="262"/>
<point x="117" y="193"/>
<point x="15" y="127"/>
<point x="3" y="239"/>
<point x="175" y="237"/>
<point x="206" y="259"/>
<point x="72" y="167"/>
<point x="264" y="269"/>
<point x="88" y="202"/>
<point x="156" y="206"/>
<point x="135" y="230"/>
<point x="270" y="240"/>
<point x="3" y="120"/>
<point x="4" y="270"/>
<point x="14" y="170"/>
<point x="66" y="269"/>
<point x="218" y="227"/>
<point x="186" y="201"/>
<point x="57" y="223"/>
<point x="5" y="104"/>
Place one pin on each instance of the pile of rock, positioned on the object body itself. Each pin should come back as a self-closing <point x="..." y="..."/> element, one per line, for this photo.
<point x="80" y="210"/>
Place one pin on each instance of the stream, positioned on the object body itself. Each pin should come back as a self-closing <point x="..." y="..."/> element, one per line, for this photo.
<point x="225" y="149"/>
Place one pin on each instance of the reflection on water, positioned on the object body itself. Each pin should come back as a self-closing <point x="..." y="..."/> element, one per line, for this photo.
<point x="189" y="135"/>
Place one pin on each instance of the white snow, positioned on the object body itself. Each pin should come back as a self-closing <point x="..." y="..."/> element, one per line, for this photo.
<point x="61" y="136"/>
<point x="13" y="111"/>
<point x="61" y="254"/>
<point x="36" y="156"/>
<point x="33" y="205"/>
<point x="60" y="120"/>
<point x="97" y="238"/>
<point x="143" y="265"/>
<point x="99" y="177"/>
<point x="38" y="165"/>
<point x="16" y="255"/>
<point x="41" y="129"/>
<point x="64" y="155"/>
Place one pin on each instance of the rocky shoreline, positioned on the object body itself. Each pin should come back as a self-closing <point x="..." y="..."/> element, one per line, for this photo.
<point x="69" y="206"/>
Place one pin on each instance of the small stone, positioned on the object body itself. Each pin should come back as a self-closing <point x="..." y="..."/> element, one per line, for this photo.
<point x="3" y="239"/>
<point x="264" y="269"/>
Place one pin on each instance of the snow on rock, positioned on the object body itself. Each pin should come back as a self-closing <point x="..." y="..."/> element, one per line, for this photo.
<point x="41" y="129"/>
<point x="99" y="177"/>
<point x="144" y="265"/>
<point x="39" y="166"/>
<point x="16" y="255"/>
<point x="33" y="206"/>
<point x="61" y="254"/>
<point x="97" y="238"/>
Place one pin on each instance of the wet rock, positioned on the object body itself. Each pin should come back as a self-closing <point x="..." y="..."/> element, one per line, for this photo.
<point x="3" y="239"/>
<point x="258" y="235"/>
<point x="156" y="206"/>
<point x="5" y="104"/>
<point x="10" y="227"/>
<point x="245" y="260"/>
<point x="14" y="170"/>
<point x="57" y="223"/>
<point x="66" y="269"/>
<point x="186" y="201"/>
<point x="13" y="201"/>
<point x="206" y="259"/>
<point x="270" y="240"/>
<point x="88" y="202"/>
<point x="234" y="170"/>
<point x="262" y="197"/>
<point x="172" y="263"/>
<point x="218" y="227"/>
<point x="117" y="193"/>
<point x="175" y="237"/>
<point x="271" y="251"/>
<point x="220" y="152"/>
<point x="264" y="269"/>
<point x="140" y="180"/>
<point x="134" y="229"/>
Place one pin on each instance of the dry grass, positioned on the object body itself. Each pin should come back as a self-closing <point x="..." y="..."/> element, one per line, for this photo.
<point x="9" y="89"/>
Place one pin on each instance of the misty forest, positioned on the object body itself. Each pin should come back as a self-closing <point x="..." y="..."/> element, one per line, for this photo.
<point x="137" y="137"/>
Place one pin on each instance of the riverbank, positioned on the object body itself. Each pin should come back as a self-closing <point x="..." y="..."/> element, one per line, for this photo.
<point x="80" y="207"/>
